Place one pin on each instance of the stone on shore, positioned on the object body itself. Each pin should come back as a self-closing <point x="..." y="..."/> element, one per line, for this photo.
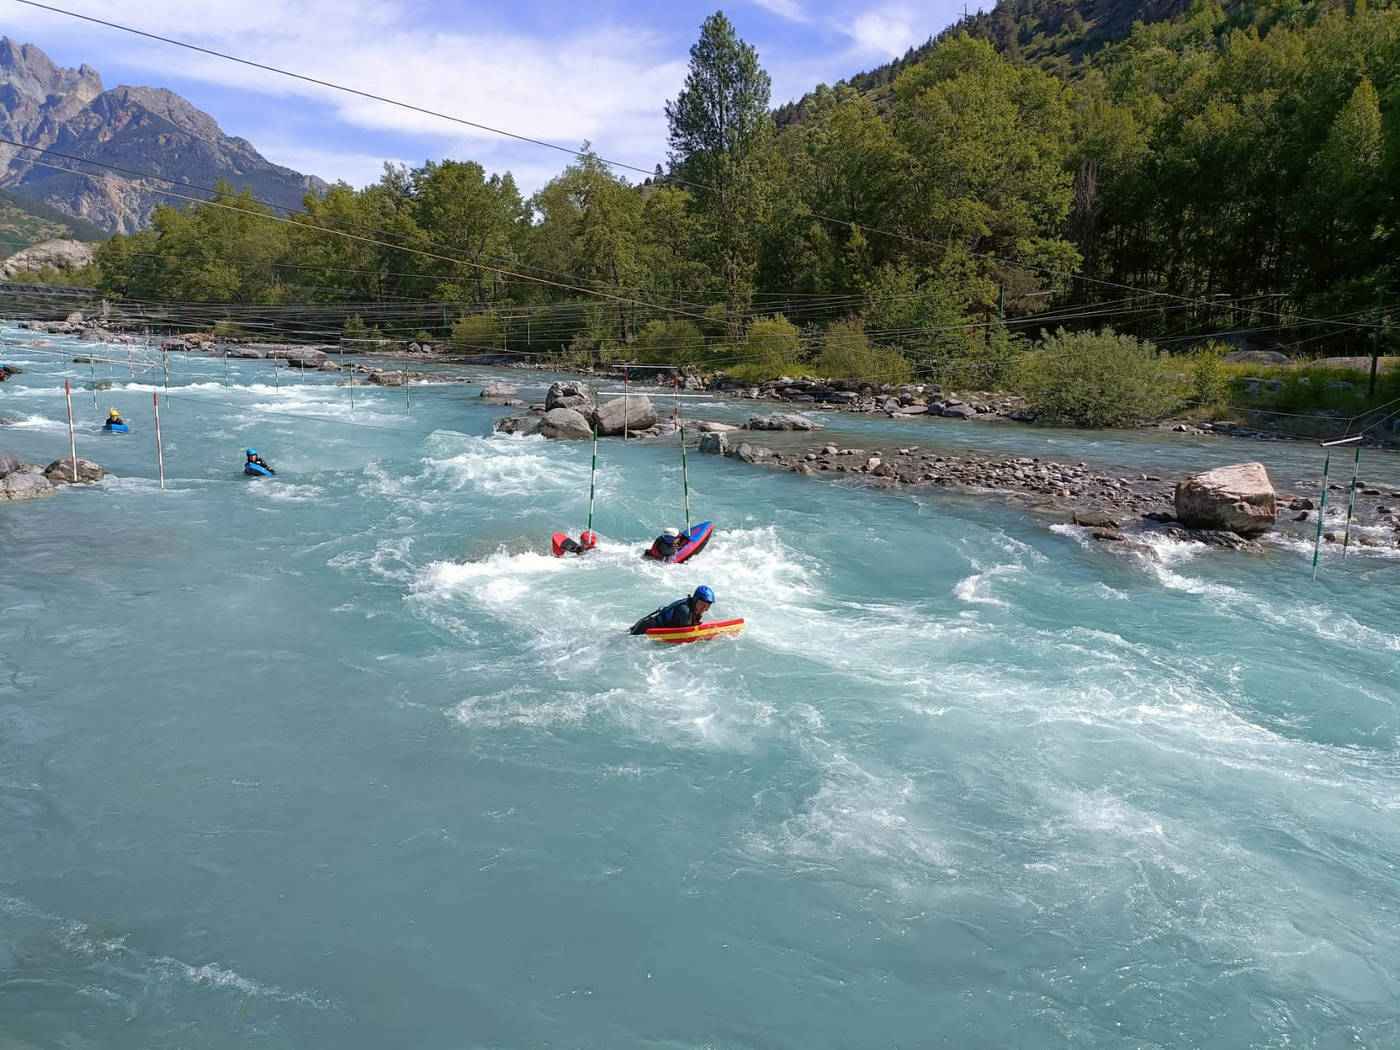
<point x="635" y="411"/>
<point x="782" y="421"/>
<point x="565" y="424"/>
<point x="570" y="394"/>
<point x="499" y="390"/>
<point x="1238" y="499"/>
<point x="60" y="472"/>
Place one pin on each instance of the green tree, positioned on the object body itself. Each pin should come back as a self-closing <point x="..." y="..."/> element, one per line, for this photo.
<point x="1099" y="379"/>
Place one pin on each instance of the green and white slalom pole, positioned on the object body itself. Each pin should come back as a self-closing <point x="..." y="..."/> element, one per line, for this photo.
<point x="685" y="482"/>
<point x="1351" y="499"/>
<point x="592" y="477"/>
<point x="1322" y="503"/>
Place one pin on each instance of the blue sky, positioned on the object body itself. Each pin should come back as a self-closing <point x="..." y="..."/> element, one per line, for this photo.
<point x="562" y="72"/>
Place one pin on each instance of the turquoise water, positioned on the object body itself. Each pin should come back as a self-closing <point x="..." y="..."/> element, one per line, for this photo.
<point x="342" y="759"/>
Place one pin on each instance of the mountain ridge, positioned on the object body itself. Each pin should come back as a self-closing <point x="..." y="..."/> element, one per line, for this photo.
<point x="138" y="128"/>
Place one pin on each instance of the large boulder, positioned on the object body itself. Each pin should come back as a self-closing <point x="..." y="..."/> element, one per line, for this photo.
<point x="395" y="377"/>
<point x="1238" y="498"/>
<point x="28" y="483"/>
<point x="566" y="424"/>
<point x="498" y="390"/>
<point x="781" y="421"/>
<point x="60" y="472"/>
<point x="714" y="443"/>
<point x="635" y="412"/>
<point x="570" y="394"/>
<point x="9" y="463"/>
<point x="60" y="254"/>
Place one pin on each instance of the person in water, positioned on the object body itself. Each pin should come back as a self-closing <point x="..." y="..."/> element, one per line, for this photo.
<point x="586" y="542"/>
<point x="114" y="418"/>
<point x="666" y="545"/>
<point x="257" y="460"/>
<point x="688" y="612"/>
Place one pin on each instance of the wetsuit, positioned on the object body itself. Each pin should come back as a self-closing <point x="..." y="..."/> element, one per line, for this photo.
<point x="571" y="546"/>
<point x="665" y="547"/>
<point x="678" y="614"/>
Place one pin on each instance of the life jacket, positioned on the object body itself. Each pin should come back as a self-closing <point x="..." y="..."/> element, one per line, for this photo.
<point x="677" y="614"/>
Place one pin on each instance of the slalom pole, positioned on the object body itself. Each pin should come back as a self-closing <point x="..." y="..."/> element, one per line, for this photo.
<point x="72" y="441"/>
<point x="1322" y="503"/>
<point x="160" y="452"/>
<point x="92" y="373"/>
<point x="685" y="482"/>
<point x="129" y="366"/>
<point x="676" y="411"/>
<point x="407" y="403"/>
<point x="226" y="378"/>
<point x="624" y="403"/>
<point x="592" y="477"/>
<point x="165" y="361"/>
<point x="276" y="380"/>
<point x="1351" y="500"/>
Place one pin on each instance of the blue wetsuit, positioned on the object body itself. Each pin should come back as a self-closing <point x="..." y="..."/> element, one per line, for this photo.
<point x="678" y="614"/>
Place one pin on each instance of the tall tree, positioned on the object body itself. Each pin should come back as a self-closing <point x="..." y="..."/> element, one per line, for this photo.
<point x="719" y="129"/>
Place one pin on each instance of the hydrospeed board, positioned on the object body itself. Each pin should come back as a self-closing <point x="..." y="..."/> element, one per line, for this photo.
<point x="695" y="539"/>
<point x="697" y="633"/>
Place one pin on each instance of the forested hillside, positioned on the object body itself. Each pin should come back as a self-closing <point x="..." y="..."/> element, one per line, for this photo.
<point x="1227" y="174"/>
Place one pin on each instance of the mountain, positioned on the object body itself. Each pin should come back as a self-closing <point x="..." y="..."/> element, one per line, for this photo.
<point x="24" y="222"/>
<point x="1058" y="34"/>
<point x="141" y="129"/>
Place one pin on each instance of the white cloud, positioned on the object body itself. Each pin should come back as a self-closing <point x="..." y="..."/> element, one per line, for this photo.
<point x="887" y="32"/>
<point x="789" y="9"/>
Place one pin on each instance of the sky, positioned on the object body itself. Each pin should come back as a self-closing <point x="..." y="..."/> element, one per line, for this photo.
<point x="593" y="70"/>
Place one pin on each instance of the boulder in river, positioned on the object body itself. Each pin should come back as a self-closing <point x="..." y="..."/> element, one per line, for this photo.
<point x="300" y="356"/>
<point x="635" y="410"/>
<point x="522" y="425"/>
<point x="498" y="390"/>
<point x="60" y="472"/>
<point x="1238" y="498"/>
<point x="570" y="394"/>
<point x="565" y="424"/>
<point x="711" y="442"/>
<point x="24" y="482"/>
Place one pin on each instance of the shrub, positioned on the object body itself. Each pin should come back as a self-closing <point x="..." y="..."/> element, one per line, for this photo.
<point x="847" y="354"/>
<point x="770" y="349"/>
<point x="668" y="342"/>
<point x="477" y="333"/>
<point x="1210" y="378"/>
<point x="1098" y="379"/>
<point x="356" y="331"/>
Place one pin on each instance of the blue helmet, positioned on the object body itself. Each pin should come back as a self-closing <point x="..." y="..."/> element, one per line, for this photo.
<point x="704" y="594"/>
<point x="252" y="452"/>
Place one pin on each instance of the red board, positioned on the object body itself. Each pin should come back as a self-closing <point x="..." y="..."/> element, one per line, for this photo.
<point x="697" y="633"/>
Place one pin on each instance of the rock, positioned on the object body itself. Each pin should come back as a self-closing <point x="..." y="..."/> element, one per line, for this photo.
<point x="1238" y="498"/>
<point x="25" y="484"/>
<point x="872" y="464"/>
<point x="9" y="463"/>
<point x="393" y="378"/>
<point x="1258" y="357"/>
<point x="636" y="410"/>
<point x="569" y="394"/>
<point x="522" y="425"/>
<point x="328" y="366"/>
<point x="1108" y="534"/>
<point x="1301" y="504"/>
<point x="566" y="424"/>
<point x="1370" y="541"/>
<point x="498" y="390"/>
<point x="781" y="421"/>
<point x="1098" y="519"/>
<point x="957" y="412"/>
<point x="714" y="443"/>
<point x="244" y="352"/>
<point x="751" y="453"/>
<point x="300" y="356"/>
<point x="60" y="472"/>
<point x="60" y="254"/>
<point x="715" y="428"/>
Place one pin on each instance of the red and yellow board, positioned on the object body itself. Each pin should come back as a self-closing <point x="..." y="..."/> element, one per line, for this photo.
<point x="697" y="633"/>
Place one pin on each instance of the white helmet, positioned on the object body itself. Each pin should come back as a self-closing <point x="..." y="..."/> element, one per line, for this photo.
<point x="673" y="533"/>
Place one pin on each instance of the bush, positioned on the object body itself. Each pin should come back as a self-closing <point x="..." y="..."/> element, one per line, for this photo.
<point x="668" y="342"/>
<point x="771" y="349"/>
<point x="477" y="333"/>
<point x="847" y="354"/>
<point x="356" y="331"/>
<point x="1099" y="379"/>
<point x="1209" y="378"/>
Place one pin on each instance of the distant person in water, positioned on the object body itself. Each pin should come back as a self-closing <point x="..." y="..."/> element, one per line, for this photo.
<point x="665" y="546"/>
<point x="688" y="612"/>
<point x="257" y="460"/>
<point x="114" y="418"/>
<point x="4" y="373"/>
<point x="564" y="545"/>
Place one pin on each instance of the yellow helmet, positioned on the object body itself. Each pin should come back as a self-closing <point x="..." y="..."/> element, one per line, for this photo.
<point x="113" y="412"/>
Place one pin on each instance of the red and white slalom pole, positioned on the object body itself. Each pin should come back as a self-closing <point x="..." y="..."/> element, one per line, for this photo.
<point x="160" y="453"/>
<point x="72" y="441"/>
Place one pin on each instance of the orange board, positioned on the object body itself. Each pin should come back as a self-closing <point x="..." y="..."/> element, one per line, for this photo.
<point x="696" y="633"/>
